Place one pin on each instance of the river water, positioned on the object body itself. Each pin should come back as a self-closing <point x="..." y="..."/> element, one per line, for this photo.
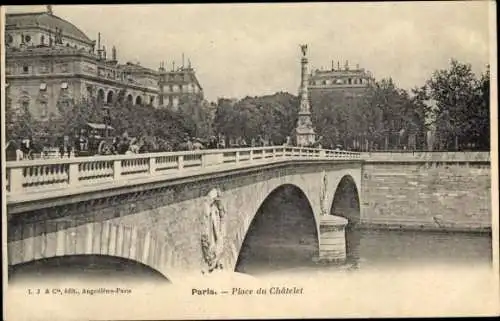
<point x="377" y="250"/>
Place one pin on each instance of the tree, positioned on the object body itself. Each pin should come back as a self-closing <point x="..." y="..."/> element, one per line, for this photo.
<point x="455" y="92"/>
<point x="19" y="122"/>
<point x="379" y="116"/>
<point x="420" y="116"/>
<point x="478" y="124"/>
<point x="195" y="115"/>
<point x="272" y="116"/>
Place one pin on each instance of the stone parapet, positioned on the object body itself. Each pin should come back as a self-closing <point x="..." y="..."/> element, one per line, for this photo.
<point x="27" y="179"/>
<point x="416" y="156"/>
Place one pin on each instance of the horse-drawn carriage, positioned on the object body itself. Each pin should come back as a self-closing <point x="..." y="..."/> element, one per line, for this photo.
<point x="94" y="139"/>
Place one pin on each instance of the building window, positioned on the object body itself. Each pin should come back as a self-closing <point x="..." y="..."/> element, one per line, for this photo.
<point x="26" y="69"/>
<point x="109" y="98"/>
<point x="44" y="111"/>
<point x="9" y="39"/>
<point x="349" y="81"/>
<point x="25" y="104"/>
<point x="44" y="68"/>
<point x="43" y="86"/>
<point x="64" y="85"/>
<point x="42" y="40"/>
<point x="27" y="38"/>
<point x="100" y="95"/>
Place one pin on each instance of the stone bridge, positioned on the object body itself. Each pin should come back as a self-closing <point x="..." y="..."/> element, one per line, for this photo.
<point x="151" y="208"/>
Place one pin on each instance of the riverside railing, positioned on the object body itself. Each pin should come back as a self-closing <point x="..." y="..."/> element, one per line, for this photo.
<point x="427" y="156"/>
<point x="40" y="175"/>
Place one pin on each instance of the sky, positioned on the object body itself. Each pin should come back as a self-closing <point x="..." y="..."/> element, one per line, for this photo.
<point x="243" y="50"/>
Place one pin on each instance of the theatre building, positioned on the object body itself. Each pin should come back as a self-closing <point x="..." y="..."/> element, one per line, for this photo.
<point x="48" y="59"/>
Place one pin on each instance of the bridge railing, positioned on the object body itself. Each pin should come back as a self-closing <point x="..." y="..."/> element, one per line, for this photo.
<point x="49" y="174"/>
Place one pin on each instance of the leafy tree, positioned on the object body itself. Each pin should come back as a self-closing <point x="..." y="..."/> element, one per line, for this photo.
<point x="455" y="92"/>
<point x="273" y="117"/>
<point x="381" y="116"/>
<point x="19" y="122"/>
<point x="419" y="116"/>
<point x="478" y="124"/>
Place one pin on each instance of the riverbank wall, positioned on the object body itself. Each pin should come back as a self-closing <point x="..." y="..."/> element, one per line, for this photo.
<point x="435" y="191"/>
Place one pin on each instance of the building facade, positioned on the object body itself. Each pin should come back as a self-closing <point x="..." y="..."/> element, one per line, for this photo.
<point x="178" y="84"/>
<point x="345" y="82"/>
<point x="48" y="59"/>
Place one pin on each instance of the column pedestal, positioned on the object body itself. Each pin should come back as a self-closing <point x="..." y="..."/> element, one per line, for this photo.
<point x="332" y="243"/>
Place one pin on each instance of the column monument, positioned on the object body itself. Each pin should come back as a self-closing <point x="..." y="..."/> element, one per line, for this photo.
<point x="305" y="135"/>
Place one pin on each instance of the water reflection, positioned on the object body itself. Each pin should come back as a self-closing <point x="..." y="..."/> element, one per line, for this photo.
<point x="353" y="245"/>
<point x="380" y="250"/>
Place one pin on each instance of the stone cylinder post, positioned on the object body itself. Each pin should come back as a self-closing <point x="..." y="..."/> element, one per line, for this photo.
<point x="332" y="242"/>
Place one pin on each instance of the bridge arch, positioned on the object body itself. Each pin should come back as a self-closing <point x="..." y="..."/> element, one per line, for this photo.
<point x="283" y="232"/>
<point x="85" y="267"/>
<point x="346" y="204"/>
<point x="104" y="239"/>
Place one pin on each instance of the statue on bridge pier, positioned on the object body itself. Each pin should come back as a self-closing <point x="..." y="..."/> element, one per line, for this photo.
<point x="212" y="238"/>
<point x="322" y="195"/>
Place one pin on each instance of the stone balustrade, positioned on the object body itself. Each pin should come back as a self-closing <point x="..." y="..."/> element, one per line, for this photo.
<point x="45" y="175"/>
<point x="425" y="156"/>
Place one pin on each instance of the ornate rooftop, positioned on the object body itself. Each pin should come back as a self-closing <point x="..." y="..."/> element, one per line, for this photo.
<point x="45" y="20"/>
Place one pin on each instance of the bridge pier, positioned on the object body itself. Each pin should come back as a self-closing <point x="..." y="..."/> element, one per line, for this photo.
<point x="332" y="242"/>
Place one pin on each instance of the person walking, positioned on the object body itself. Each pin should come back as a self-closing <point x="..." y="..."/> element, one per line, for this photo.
<point x="134" y="147"/>
<point x="189" y="144"/>
<point x="197" y="145"/>
<point x="65" y="148"/>
<point x="19" y="153"/>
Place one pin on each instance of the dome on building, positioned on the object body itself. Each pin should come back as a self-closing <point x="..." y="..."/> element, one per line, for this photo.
<point x="45" y="20"/>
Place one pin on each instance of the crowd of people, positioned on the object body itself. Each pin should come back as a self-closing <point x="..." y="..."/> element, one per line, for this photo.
<point x="91" y="143"/>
